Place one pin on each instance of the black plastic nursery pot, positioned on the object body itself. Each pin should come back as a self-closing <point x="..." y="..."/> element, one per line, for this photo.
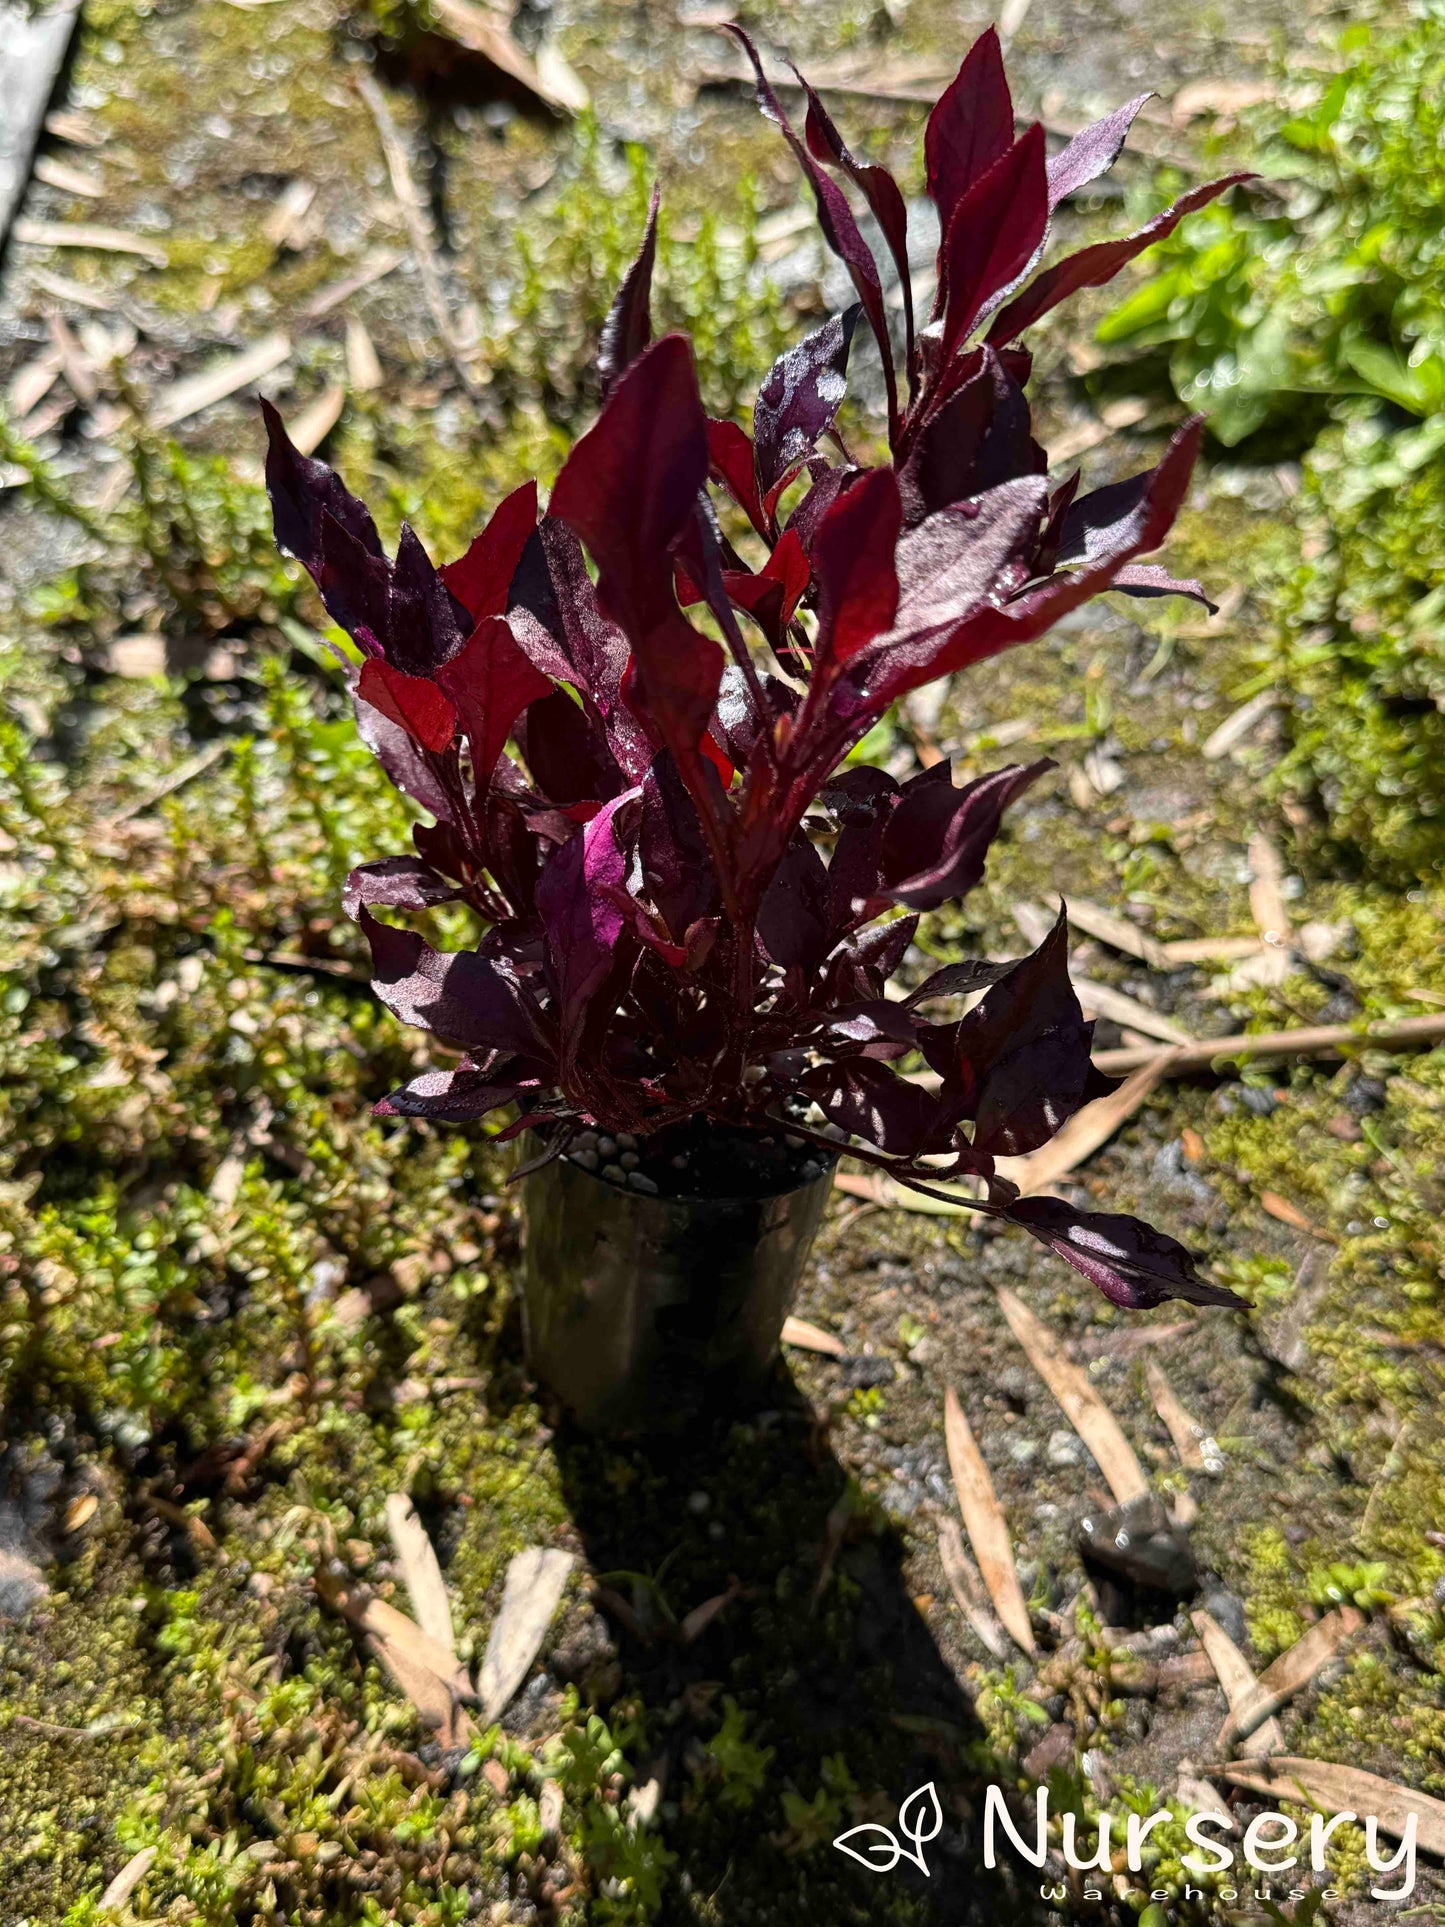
<point x="644" y="1312"/>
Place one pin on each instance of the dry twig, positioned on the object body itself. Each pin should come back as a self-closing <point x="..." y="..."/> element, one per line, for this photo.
<point x="966" y="1585"/>
<point x="1082" y="1406"/>
<point x="417" y="226"/>
<point x="1319" y="1040"/>
<point x="532" y="1592"/>
<point x="127" y="1880"/>
<point x="812" y="1338"/>
<point x="1197" y="1450"/>
<point x="983" y="1517"/>
<point x="1236" y="1678"/>
<point x="99" y="240"/>
<point x="186" y="398"/>
<point x="1289" y="1674"/>
<point x="421" y="1571"/>
<point x="1341" y="1789"/>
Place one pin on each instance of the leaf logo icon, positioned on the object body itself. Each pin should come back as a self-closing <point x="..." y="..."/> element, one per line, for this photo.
<point x="920" y="1818"/>
<point x="879" y="1849"/>
<point x="880" y="1855"/>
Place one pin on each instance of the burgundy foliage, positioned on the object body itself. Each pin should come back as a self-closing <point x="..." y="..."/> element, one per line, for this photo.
<point x="636" y="773"/>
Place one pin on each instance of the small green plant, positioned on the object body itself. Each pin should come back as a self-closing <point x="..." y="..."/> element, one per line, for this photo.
<point x="1361" y="1585"/>
<point x="1329" y="285"/>
<point x="1314" y="318"/>
<point x="741" y="1765"/>
<point x="810" y="1824"/>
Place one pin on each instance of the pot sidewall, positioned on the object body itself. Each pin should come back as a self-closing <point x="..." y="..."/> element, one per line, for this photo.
<point x="642" y="1313"/>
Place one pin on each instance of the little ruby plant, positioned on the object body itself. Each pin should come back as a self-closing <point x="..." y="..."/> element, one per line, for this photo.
<point x="634" y="809"/>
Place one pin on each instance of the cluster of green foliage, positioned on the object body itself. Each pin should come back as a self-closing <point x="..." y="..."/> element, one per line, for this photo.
<point x="1322" y="303"/>
<point x="1331" y="282"/>
<point x="206" y="1238"/>
<point x="572" y="256"/>
<point x="1359" y="645"/>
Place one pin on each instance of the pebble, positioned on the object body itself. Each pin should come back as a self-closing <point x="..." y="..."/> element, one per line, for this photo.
<point x="607" y="1147"/>
<point x="629" y="1160"/>
<point x="809" y="1170"/>
<point x="614" y="1174"/>
<point x="588" y="1160"/>
<point x="679" y="1163"/>
<point x="1227" y="1611"/>
<point x="584" y="1141"/>
<point x="640" y="1181"/>
<point x="698" y="1502"/>
<point x="626" y="1141"/>
<point x="1064" y="1448"/>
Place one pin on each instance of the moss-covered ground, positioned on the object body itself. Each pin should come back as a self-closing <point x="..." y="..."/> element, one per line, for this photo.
<point x="237" y="1312"/>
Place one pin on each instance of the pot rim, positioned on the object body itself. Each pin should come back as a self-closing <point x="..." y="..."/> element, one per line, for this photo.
<point x="828" y="1159"/>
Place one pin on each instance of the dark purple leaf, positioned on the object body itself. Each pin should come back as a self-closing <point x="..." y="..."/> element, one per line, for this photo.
<point x="398" y="883"/>
<point x="677" y="873"/>
<point x="859" y="968"/>
<point x="561" y="628"/>
<point x="354" y="583"/>
<point x="938" y="838"/>
<point x="840" y="230"/>
<point x="994" y="232"/>
<point x="861" y="801"/>
<point x="732" y="463"/>
<point x="628" y="488"/>
<point x="460" y="1096"/>
<point x="853" y="566"/>
<point x="966" y="554"/>
<point x="628" y="327"/>
<point x="798" y="401"/>
<point x="980" y="437"/>
<point x="576" y="902"/>
<point x="958" y="979"/>
<point x="302" y="490"/>
<point x="1091" y="267"/>
<point x="807" y="518"/>
<point x="1092" y="151"/>
<point x="1034" y="1089"/>
<point x="870" y="1101"/>
<point x="461" y="996"/>
<point x="1094" y="525"/>
<point x="481" y="580"/>
<point x="878" y="188"/>
<point x="793" y="922"/>
<point x="875" y="1021"/>
<point x="413" y="703"/>
<point x="738" y="721"/>
<point x="1019" y="1060"/>
<point x="567" y="756"/>
<point x="426" y="624"/>
<point x="491" y="682"/>
<point x="1131" y="1263"/>
<point x="965" y="559"/>
<point x="1146" y="579"/>
<point x="889" y="669"/>
<point x="971" y="127"/>
<point x="400" y="757"/>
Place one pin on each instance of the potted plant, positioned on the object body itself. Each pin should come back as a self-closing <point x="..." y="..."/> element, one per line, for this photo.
<point x="689" y="901"/>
